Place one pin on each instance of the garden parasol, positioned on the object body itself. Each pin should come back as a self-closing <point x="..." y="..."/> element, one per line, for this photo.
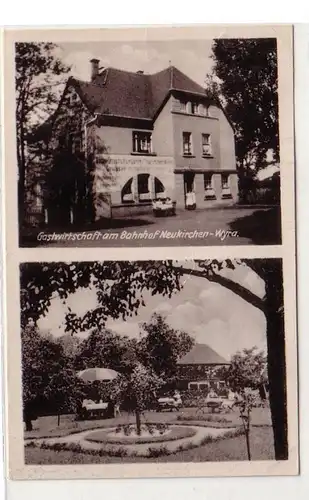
<point x="97" y="374"/>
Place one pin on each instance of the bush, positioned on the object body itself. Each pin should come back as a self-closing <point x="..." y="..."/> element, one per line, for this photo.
<point x="202" y="418"/>
<point x="158" y="452"/>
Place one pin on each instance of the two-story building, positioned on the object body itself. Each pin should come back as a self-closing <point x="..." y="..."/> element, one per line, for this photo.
<point x="152" y="135"/>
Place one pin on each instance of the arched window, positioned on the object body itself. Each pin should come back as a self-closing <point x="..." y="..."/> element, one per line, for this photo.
<point x="127" y="193"/>
<point x="159" y="188"/>
<point x="144" y="187"/>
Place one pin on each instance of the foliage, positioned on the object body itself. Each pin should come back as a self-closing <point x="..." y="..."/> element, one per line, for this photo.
<point x="246" y="81"/>
<point x="47" y="378"/>
<point x="104" y="348"/>
<point x="122" y="287"/>
<point x="247" y="71"/>
<point x="39" y="75"/>
<point x="163" y="346"/>
<point x="136" y="390"/>
<point x="247" y="369"/>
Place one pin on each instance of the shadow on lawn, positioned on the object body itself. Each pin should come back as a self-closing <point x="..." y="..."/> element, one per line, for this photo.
<point x="262" y="227"/>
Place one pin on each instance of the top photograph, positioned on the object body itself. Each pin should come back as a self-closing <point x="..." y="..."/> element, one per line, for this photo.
<point x="148" y="142"/>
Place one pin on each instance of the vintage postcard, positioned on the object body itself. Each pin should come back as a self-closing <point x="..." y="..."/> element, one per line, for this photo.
<point x="151" y="139"/>
<point x="150" y="241"/>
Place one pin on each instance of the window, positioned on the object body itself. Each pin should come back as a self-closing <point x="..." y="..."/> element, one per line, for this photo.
<point x="187" y="143"/>
<point x="207" y="181"/>
<point x="127" y="192"/>
<point x="142" y="142"/>
<point x="201" y="109"/>
<point x="195" y="108"/>
<point x="206" y="145"/>
<point x="188" y="107"/>
<point x="143" y="187"/>
<point x="225" y="181"/>
<point x="159" y="188"/>
<point x="208" y="186"/>
<point x="183" y="106"/>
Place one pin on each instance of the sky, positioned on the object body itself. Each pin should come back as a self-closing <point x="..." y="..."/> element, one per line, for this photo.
<point x="209" y="312"/>
<point x="190" y="56"/>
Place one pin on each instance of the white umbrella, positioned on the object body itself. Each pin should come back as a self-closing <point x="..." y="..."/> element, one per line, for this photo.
<point x="97" y="374"/>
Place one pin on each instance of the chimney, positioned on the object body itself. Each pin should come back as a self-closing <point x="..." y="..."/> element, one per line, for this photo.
<point x="94" y="68"/>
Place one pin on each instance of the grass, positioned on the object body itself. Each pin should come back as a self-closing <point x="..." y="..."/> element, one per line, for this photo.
<point x="177" y="432"/>
<point x="231" y="448"/>
<point x="109" y="449"/>
<point x="262" y="227"/>
<point x="45" y="427"/>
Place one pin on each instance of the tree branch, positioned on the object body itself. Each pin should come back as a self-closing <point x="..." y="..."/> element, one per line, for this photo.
<point x="231" y="285"/>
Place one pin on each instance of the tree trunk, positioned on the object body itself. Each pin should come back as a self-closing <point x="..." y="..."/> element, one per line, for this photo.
<point x="58" y="419"/>
<point x="22" y="177"/>
<point x="138" y="421"/>
<point x="28" y="423"/>
<point x="276" y="360"/>
<point x="247" y="434"/>
<point x="277" y="383"/>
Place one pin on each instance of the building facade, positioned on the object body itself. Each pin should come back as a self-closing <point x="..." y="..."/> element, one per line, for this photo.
<point x="148" y="136"/>
<point x="201" y="370"/>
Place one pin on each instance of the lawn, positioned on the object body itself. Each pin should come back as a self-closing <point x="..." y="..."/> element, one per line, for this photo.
<point x="45" y="427"/>
<point x="229" y="449"/>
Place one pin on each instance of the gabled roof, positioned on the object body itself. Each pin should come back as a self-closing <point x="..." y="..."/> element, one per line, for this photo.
<point x="202" y="354"/>
<point x="126" y="94"/>
<point x="133" y="95"/>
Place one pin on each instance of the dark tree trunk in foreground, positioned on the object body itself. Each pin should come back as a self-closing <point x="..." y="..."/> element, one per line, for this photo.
<point x="28" y="423"/>
<point x="276" y="359"/>
<point x="138" y="422"/>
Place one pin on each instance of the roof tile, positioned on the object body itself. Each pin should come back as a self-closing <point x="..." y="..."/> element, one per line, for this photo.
<point x="202" y="354"/>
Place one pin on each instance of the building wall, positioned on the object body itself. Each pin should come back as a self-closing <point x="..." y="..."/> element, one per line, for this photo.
<point x="196" y="125"/>
<point x="124" y="165"/>
<point x="162" y="136"/>
<point x="168" y="163"/>
<point x="227" y="140"/>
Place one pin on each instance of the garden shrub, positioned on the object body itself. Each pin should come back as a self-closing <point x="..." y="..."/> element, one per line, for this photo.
<point x="158" y="452"/>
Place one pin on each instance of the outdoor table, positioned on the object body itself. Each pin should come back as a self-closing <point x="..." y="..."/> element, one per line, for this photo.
<point x="214" y="404"/>
<point x="94" y="409"/>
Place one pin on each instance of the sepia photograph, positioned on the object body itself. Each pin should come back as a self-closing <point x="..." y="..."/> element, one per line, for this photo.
<point x="138" y="362"/>
<point x="148" y="143"/>
<point x="150" y="245"/>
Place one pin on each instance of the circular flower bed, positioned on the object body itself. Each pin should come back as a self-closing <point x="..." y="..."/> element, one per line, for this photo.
<point x="122" y="436"/>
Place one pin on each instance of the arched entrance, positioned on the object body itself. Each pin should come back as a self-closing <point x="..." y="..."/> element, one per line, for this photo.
<point x="142" y="188"/>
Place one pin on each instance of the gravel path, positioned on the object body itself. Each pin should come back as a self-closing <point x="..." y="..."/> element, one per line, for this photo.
<point x="140" y="449"/>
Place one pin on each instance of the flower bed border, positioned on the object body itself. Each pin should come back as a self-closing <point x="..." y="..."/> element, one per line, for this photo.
<point x="151" y="439"/>
<point x="120" y="451"/>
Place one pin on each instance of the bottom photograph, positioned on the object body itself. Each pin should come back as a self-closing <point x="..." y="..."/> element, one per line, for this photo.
<point x="153" y="361"/>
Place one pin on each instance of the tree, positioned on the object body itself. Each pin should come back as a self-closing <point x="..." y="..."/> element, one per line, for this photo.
<point x="246" y="81"/>
<point x="246" y="370"/>
<point x="39" y="75"/>
<point x="137" y="390"/>
<point x="64" y="390"/>
<point x="120" y="286"/>
<point x="245" y="373"/>
<point x="103" y="348"/>
<point x="47" y="379"/>
<point x="163" y="346"/>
